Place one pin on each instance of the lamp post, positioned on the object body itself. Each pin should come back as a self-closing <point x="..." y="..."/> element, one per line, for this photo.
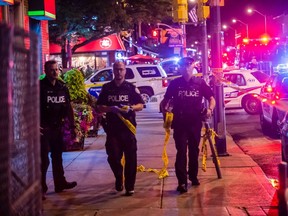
<point x="235" y="33"/>
<point x="249" y="10"/>
<point x="237" y="20"/>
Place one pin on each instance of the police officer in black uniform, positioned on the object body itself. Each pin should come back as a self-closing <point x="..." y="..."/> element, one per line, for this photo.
<point x="54" y="107"/>
<point x="121" y="97"/>
<point x="186" y="94"/>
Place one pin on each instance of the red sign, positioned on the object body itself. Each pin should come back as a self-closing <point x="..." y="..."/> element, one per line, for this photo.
<point x="105" y="43"/>
<point x="6" y="2"/>
<point x="108" y="43"/>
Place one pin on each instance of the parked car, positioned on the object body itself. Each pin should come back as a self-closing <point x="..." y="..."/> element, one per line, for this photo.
<point x="150" y="79"/>
<point x="171" y="67"/>
<point x="246" y="84"/>
<point x="274" y="103"/>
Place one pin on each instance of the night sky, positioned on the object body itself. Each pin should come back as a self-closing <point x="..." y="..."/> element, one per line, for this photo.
<point x="271" y="8"/>
<point x="238" y="8"/>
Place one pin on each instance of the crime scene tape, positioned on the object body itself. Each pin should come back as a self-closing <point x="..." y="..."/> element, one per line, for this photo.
<point x="130" y="126"/>
<point x="167" y="124"/>
<point x="163" y="172"/>
<point x="149" y="80"/>
<point x="210" y="133"/>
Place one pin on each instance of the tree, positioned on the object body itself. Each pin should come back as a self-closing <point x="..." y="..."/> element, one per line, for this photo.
<point x="84" y="19"/>
<point x="93" y="19"/>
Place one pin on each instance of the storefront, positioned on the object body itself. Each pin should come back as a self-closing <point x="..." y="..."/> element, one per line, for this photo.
<point x="95" y="55"/>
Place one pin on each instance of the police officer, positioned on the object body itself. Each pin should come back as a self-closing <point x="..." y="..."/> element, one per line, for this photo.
<point x="120" y="97"/>
<point x="54" y="107"/>
<point x="186" y="94"/>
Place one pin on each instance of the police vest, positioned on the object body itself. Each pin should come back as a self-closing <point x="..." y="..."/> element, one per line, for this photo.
<point x="54" y="103"/>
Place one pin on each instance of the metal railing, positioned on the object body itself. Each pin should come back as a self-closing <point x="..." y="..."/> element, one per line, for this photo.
<point x="20" y="188"/>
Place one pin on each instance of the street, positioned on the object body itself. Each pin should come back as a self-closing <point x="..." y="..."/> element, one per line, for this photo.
<point x="246" y="132"/>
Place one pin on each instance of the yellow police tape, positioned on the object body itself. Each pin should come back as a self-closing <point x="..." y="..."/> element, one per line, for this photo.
<point x="167" y="125"/>
<point x="163" y="172"/>
<point x="210" y="133"/>
<point x="130" y="126"/>
<point x="149" y="80"/>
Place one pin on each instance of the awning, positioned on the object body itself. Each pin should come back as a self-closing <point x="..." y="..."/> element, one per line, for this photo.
<point x="109" y="43"/>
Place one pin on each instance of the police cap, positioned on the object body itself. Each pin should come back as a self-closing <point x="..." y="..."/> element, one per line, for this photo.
<point x="185" y="61"/>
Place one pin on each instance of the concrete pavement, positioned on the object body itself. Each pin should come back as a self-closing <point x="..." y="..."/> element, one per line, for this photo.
<point x="243" y="189"/>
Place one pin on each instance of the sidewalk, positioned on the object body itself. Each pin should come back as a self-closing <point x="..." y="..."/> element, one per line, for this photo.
<point x="243" y="189"/>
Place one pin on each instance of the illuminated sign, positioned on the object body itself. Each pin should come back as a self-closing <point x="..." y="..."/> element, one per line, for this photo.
<point x="6" y="2"/>
<point x="42" y="9"/>
<point x="105" y="43"/>
<point x="109" y="43"/>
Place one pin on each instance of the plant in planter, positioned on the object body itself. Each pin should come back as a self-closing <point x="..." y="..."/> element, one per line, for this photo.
<point x="83" y="105"/>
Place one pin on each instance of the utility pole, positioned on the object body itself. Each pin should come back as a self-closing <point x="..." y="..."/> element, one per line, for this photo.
<point x="216" y="54"/>
<point x="204" y="50"/>
<point x="203" y="12"/>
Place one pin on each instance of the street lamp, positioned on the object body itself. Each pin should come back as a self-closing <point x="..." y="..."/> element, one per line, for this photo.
<point x="249" y="10"/>
<point x="235" y="32"/>
<point x="237" y="20"/>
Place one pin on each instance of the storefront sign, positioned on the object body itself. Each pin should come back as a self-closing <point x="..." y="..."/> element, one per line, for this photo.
<point x="175" y="37"/>
<point x="109" y="43"/>
<point x="6" y="2"/>
<point x="105" y="43"/>
<point x="42" y="9"/>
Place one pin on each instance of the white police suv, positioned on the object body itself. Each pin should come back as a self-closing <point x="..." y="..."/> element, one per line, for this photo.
<point x="149" y="79"/>
<point x="242" y="88"/>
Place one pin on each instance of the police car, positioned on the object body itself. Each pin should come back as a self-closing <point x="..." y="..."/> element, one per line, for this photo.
<point x="149" y="79"/>
<point x="241" y="88"/>
<point x="274" y="103"/>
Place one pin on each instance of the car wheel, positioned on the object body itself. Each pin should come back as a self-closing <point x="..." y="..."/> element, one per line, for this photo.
<point x="265" y="126"/>
<point x="252" y="105"/>
<point x="146" y="95"/>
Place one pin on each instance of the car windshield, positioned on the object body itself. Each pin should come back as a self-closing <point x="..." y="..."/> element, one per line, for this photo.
<point x="92" y="74"/>
<point x="260" y="76"/>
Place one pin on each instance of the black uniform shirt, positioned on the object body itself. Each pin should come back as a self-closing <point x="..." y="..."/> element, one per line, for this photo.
<point x="54" y="103"/>
<point x="187" y="97"/>
<point x="125" y="94"/>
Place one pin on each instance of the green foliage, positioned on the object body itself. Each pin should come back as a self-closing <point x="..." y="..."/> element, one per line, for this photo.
<point x="86" y="18"/>
<point x="147" y="11"/>
<point x="74" y="80"/>
<point x="95" y="19"/>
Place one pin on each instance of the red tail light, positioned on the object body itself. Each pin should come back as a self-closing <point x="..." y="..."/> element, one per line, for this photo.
<point x="164" y="82"/>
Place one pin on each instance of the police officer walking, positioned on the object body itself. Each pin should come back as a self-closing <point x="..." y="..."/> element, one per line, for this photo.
<point x="186" y="94"/>
<point x="121" y="98"/>
<point x="54" y="108"/>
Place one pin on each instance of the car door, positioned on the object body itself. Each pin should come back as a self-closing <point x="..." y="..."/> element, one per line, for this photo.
<point x="267" y="93"/>
<point x="232" y="96"/>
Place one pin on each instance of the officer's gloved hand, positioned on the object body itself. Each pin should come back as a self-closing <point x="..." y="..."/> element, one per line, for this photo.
<point x="125" y="108"/>
<point x="115" y="109"/>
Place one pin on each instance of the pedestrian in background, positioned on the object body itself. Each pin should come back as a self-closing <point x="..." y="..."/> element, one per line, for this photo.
<point x="54" y="108"/>
<point x="186" y="95"/>
<point x="120" y="97"/>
